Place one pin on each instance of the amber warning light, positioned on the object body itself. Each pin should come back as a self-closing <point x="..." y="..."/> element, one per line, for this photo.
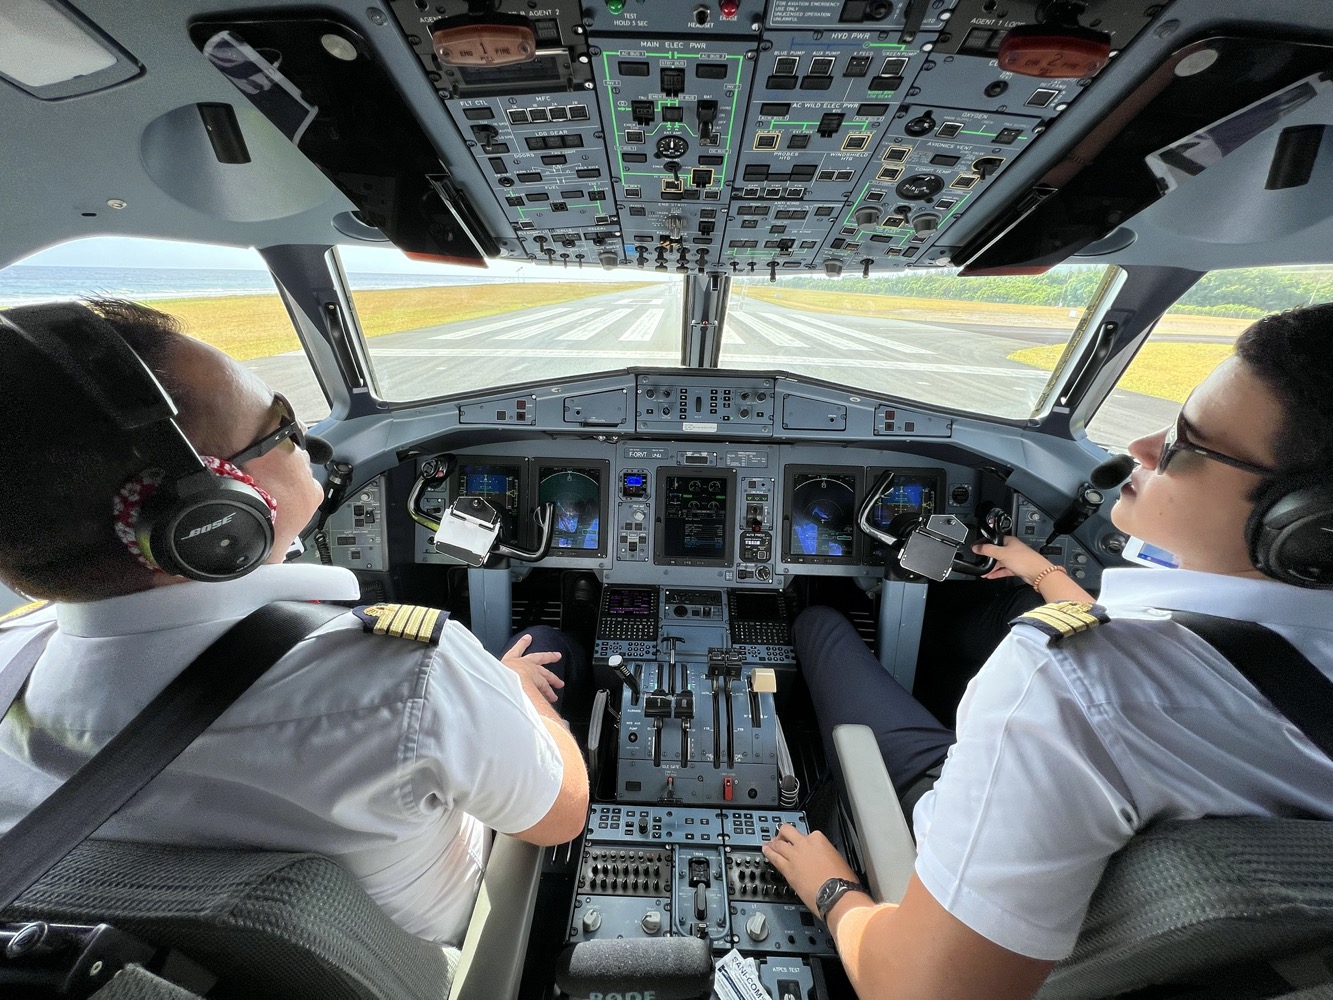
<point x="485" y="44"/>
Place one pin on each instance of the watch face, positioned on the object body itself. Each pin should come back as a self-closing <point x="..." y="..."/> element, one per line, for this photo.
<point x="830" y="891"/>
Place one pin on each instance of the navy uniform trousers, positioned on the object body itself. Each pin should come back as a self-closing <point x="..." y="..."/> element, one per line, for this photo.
<point x="572" y="667"/>
<point x="849" y="686"/>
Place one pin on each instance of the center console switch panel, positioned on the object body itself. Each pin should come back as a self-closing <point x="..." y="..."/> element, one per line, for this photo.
<point x="656" y="871"/>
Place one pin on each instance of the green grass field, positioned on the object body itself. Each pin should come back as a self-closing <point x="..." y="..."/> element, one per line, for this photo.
<point x="1167" y="371"/>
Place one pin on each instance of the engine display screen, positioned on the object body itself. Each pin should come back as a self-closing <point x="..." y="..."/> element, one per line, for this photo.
<point x="576" y="492"/>
<point x="498" y="485"/>
<point x="696" y="513"/>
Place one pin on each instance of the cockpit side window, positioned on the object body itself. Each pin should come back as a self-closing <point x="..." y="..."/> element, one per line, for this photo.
<point x="1192" y="337"/>
<point x="223" y="295"/>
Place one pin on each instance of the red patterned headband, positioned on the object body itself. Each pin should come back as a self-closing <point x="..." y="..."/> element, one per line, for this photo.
<point x="129" y="501"/>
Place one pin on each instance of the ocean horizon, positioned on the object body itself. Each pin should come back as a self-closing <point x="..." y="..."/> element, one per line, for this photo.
<point x="28" y="284"/>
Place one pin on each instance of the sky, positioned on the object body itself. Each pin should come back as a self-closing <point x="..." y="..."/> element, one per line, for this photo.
<point x="120" y="251"/>
<point x="100" y="251"/>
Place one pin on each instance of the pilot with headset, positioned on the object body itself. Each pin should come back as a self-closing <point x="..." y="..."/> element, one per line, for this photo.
<point x="391" y="755"/>
<point x="1089" y="722"/>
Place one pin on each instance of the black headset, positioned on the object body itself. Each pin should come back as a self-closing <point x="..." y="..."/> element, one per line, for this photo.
<point x="196" y="523"/>
<point x="1290" y="530"/>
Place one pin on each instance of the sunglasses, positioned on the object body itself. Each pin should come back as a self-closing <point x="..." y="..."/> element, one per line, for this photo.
<point x="1177" y="440"/>
<point x="288" y="427"/>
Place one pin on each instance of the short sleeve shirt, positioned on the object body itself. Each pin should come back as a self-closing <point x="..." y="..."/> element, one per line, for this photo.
<point x="389" y="755"/>
<point x="1066" y="750"/>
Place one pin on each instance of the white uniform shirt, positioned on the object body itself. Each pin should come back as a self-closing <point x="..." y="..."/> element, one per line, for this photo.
<point x="388" y="755"/>
<point x="1066" y="750"/>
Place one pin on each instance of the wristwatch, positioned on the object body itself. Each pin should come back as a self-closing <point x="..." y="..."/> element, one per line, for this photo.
<point x="832" y="891"/>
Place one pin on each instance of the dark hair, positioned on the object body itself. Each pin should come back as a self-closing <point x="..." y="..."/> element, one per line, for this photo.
<point x="64" y="460"/>
<point x="1293" y="353"/>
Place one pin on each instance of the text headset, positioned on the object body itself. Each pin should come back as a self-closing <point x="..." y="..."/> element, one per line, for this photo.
<point x="196" y="523"/>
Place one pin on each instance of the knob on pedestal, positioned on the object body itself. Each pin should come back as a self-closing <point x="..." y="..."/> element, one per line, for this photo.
<point x="757" y="927"/>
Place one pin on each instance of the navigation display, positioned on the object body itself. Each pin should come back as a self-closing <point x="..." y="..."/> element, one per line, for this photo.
<point x="495" y="482"/>
<point x="696" y="512"/>
<point x="820" y="505"/>
<point x="577" y="494"/>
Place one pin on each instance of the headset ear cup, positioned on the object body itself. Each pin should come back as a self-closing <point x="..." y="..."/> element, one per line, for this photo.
<point x="206" y="528"/>
<point x="1290" y="531"/>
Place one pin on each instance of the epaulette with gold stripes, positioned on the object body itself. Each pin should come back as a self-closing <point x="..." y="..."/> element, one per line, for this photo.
<point x="22" y="611"/>
<point x="1062" y="619"/>
<point x="406" y="621"/>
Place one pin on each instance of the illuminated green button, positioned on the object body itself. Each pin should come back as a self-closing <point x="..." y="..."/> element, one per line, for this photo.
<point x="615" y="6"/>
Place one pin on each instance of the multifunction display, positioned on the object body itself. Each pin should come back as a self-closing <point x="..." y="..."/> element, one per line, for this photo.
<point x="821" y="522"/>
<point x="695" y="517"/>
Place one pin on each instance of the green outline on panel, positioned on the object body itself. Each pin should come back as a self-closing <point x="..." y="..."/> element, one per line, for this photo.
<point x="615" y="101"/>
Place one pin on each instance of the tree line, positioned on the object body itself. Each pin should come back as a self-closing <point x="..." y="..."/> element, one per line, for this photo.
<point x="1246" y="293"/>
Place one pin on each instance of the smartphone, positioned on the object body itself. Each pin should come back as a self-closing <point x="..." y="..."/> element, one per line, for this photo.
<point x="1146" y="554"/>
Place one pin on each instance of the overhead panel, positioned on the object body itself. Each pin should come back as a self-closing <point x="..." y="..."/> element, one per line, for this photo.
<point x="545" y="154"/>
<point x="819" y="109"/>
<point x="932" y="163"/>
<point x="674" y="112"/>
<point x="751" y="137"/>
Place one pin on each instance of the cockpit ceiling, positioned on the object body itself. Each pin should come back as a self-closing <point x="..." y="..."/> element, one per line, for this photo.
<point x="728" y="137"/>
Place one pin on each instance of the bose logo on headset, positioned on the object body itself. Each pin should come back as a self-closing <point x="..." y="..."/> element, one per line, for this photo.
<point x="209" y="527"/>
<point x="191" y="501"/>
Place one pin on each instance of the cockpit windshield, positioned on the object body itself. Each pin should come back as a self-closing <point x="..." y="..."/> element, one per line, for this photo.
<point x="436" y="330"/>
<point x="931" y="338"/>
<point x="934" y="338"/>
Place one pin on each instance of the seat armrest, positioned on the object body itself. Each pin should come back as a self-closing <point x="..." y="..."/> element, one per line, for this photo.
<point x="491" y="966"/>
<point x="886" y="841"/>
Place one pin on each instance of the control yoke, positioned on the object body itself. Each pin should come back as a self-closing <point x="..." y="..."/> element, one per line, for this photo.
<point x="470" y="532"/>
<point x="469" y="528"/>
<point x="931" y="546"/>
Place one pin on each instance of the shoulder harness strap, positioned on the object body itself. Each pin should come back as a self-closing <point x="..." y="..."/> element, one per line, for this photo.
<point x="404" y="621"/>
<point x="1062" y="619"/>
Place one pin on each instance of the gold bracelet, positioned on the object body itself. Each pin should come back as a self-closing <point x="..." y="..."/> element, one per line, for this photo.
<point x="1053" y="568"/>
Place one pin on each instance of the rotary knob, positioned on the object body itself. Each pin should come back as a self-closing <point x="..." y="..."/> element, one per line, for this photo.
<point x="757" y="927"/>
<point x="651" y="922"/>
<point x="591" y="921"/>
<point x="865" y="216"/>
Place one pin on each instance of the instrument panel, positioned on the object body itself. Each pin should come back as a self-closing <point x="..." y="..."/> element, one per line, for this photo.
<point x="745" y="515"/>
<point x="710" y="514"/>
